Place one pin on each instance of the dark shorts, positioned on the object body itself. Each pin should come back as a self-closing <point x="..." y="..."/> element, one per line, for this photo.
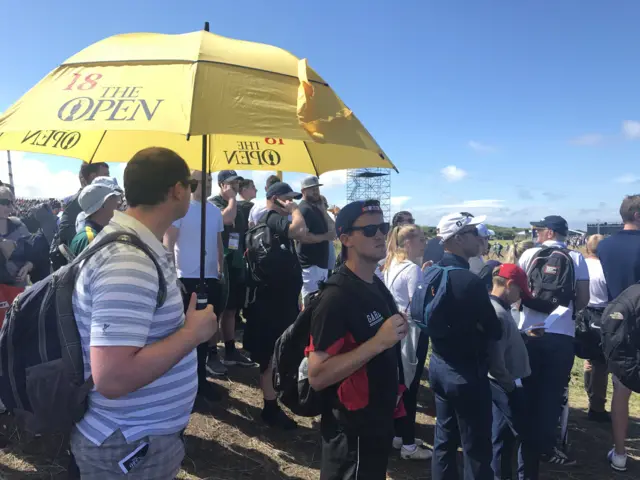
<point x="214" y="292"/>
<point x="351" y="456"/>
<point x="267" y="318"/>
<point x="237" y="289"/>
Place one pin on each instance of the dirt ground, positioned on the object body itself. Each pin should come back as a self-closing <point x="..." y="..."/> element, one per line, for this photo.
<point x="228" y="442"/>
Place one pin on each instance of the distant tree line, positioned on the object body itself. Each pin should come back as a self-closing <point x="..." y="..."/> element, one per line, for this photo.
<point x="502" y="233"/>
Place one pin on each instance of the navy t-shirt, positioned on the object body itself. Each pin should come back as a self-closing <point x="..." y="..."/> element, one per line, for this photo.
<point x="620" y="258"/>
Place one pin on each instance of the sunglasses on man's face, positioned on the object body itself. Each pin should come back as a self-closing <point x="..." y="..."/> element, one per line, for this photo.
<point x="370" y="231"/>
<point x="192" y="183"/>
<point x="5" y="202"/>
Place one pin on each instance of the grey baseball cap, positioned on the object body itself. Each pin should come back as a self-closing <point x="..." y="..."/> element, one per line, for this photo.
<point x="92" y="197"/>
<point x="310" y="182"/>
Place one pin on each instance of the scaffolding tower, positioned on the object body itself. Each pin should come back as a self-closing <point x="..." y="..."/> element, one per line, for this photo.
<point x="370" y="183"/>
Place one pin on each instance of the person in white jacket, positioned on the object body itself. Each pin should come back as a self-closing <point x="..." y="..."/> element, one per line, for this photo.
<point x="402" y="275"/>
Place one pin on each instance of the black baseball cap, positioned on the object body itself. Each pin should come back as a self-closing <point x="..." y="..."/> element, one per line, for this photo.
<point x="554" y="223"/>
<point x="351" y="212"/>
<point x="282" y="189"/>
<point x="226" y="176"/>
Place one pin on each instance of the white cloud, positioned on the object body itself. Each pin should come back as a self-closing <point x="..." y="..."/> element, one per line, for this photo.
<point x="397" y="202"/>
<point x="631" y="129"/>
<point x="335" y="178"/>
<point x="33" y="178"/>
<point x="481" y="147"/>
<point x="588" y="140"/>
<point x="627" y="178"/>
<point x="452" y="173"/>
<point x="489" y="204"/>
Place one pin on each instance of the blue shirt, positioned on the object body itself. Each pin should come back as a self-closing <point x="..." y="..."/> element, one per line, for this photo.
<point x="620" y="258"/>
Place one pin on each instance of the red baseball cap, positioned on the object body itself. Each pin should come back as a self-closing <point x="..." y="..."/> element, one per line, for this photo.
<point x="518" y="275"/>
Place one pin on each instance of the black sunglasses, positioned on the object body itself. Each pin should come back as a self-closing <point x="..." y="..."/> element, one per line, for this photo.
<point x="371" y="230"/>
<point x="191" y="182"/>
<point x="6" y="202"/>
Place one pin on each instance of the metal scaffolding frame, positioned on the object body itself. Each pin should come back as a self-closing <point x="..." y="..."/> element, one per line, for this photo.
<point x="370" y="183"/>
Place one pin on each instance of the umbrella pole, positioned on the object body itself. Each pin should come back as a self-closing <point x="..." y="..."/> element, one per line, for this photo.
<point x="202" y="287"/>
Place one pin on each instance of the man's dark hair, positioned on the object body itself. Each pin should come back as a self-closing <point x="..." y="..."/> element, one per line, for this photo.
<point x="151" y="173"/>
<point x="273" y="179"/>
<point x="399" y="217"/>
<point x="88" y="169"/>
<point x="630" y="206"/>
<point x="245" y="183"/>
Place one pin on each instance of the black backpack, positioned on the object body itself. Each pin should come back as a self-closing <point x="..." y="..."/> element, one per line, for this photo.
<point x="621" y="337"/>
<point x="41" y="366"/>
<point x="588" y="339"/>
<point x="552" y="277"/>
<point x="268" y="258"/>
<point x="290" y="363"/>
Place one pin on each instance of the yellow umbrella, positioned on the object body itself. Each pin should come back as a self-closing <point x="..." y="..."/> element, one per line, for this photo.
<point x="255" y="106"/>
<point x="262" y="107"/>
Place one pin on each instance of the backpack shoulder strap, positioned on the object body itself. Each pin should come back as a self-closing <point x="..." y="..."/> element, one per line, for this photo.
<point x="127" y="238"/>
<point x="404" y="267"/>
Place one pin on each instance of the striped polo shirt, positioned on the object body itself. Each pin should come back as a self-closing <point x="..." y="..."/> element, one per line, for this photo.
<point x="114" y="304"/>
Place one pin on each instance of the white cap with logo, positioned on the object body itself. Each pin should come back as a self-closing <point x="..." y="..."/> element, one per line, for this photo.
<point x="451" y="224"/>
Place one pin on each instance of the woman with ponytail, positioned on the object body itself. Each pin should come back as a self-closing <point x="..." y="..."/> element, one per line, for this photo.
<point x="402" y="275"/>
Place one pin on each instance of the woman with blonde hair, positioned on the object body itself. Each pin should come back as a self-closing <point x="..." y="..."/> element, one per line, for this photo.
<point x="402" y="275"/>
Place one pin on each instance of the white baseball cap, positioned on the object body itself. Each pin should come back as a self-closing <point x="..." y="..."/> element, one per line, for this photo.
<point x="483" y="231"/>
<point x="451" y="224"/>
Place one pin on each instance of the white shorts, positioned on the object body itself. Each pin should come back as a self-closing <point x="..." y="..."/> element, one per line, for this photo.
<point x="311" y="277"/>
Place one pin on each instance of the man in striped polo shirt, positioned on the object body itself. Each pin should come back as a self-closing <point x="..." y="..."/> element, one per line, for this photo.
<point x="142" y="358"/>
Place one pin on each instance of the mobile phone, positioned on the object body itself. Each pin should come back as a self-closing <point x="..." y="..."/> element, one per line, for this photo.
<point x="280" y="204"/>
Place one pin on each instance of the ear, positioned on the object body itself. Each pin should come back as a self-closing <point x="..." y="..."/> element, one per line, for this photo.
<point x="345" y="239"/>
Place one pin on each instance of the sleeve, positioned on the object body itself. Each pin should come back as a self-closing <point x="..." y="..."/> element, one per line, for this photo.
<point x="497" y="366"/>
<point x="328" y="326"/>
<point x="79" y="243"/>
<point x="123" y="294"/>
<point x="279" y="225"/>
<point x="486" y="314"/>
<point x="68" y="222"/>
<point x="582" y="271"/>
<point x="414" y="278"/>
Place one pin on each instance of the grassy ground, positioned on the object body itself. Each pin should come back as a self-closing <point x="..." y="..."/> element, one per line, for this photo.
<point x="228" y="442"/>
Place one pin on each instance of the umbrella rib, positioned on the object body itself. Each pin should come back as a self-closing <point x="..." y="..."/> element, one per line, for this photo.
<point x="97" y="146"/>
<point x="168" y="61"/>
<point x="311" y="158"/>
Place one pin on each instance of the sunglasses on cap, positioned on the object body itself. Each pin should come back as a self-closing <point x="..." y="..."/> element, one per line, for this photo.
<point x="5" y="202"/>
<point x="370" y="231"/>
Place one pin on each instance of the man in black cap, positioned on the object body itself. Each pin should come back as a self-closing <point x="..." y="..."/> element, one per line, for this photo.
<point x="551" y="355"/>
<point x="276" y="295"/>
<point x="353" y="355"/>
<point x="314" y="257"/>
<point x="235" y="227"/>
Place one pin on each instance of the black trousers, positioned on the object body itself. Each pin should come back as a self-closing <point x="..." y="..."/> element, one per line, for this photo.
<point x="348" y="456"/>
<point x="214" y="293"/>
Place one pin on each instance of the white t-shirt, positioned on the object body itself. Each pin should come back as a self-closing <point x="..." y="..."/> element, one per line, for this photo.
<point x="257" y="211"/>
<point x="598" y="295"/>
<point x="476" y="264"/>
<point x="565" y="324"/>
<point x="402" y="279"/>
<point x="187" y="249"/>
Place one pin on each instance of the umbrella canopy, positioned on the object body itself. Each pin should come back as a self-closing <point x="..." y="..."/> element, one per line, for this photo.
<point x="261" y="107"/>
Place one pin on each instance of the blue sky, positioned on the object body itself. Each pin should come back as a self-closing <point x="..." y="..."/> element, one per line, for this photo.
<point x="511" y="109"/>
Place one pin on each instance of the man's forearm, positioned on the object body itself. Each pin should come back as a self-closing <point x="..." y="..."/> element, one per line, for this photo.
<point x="338" y="367"/>
<point x="229" y="213"/>
<point x="144" y="366"/>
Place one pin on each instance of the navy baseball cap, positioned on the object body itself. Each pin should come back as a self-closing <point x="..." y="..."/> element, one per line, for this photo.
<point x="351" y="212"/>
<point x="554" y="223"/>
<point x="226" y="176"/>
<point x="282" y="189"/>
